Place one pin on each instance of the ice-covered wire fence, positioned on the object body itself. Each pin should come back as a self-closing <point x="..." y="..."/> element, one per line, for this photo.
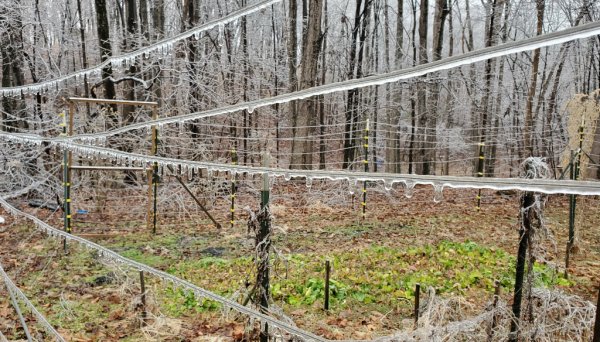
<point x="150" y="170"/>
<point x="163" y="46"/>
<point x="40" y="318"/>
<point x="495" y="51"/>
<point x="212" y="139"/>
<point x="388" y="179"/>
<point x="200" y="292"/>
<point x="574" y="33"/>
<point x="125" y="160"/>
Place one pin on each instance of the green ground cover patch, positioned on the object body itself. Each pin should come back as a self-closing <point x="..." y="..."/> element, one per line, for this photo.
<point x="379" y="276"/>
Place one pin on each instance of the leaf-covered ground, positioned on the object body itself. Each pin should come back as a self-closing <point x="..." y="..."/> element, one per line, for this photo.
<point x="376" y="265"/>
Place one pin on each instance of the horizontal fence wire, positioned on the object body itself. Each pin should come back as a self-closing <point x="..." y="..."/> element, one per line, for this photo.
<point x="409" y="180"/>
<point x="40" y="318"/>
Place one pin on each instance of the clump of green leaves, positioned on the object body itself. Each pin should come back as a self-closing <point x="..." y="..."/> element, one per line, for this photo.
<point x="178" y="302"/>
<point x="309" y="292"/>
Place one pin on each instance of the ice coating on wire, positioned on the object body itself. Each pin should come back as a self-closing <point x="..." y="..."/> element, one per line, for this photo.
<point x="107" y="253"/>
<point x="128" y="58"/>
<point x="41" y="319"/>
<point x="573" y="33"/>
<point x="409" y="180"/>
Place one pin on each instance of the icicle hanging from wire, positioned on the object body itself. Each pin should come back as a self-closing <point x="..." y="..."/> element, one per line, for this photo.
<point x="409" y="180"/>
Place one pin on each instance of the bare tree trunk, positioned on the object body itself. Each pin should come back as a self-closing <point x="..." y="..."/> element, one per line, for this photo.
<point x="552" y="102"/>
<point x="190" y="19"/>
<point x="276" y="83"/>
<point x="352" y="99"/>
<point x="441" y="12"/>
<point x="12" y="70"/>
<point x="501" y="5"/>
<point x="395" y="156"/>
<point x="158" y="28"/>
<point x="450" y="103"/>
<point x="84" y="61"/>
<point x="158" y="19"/>
<point x="246" y="76"/>
<point x="488" y="134"/>
<point x="399" y="53"/>
<point x="413" y="105"/>
<point x="375" y="69"/>
<point x="292" y="50"/>
<point x="303" y="148"/>
<point x="485" y="100"/>
<point x="105" y="53"/>
<point x="129" y="42"/>
<point x="322" y="143"/>
<point x="362" y="50"/>
<point x="144" y="26"/>
<point x="350" y="117"/>
<point x="423" y="164"/>
<point x="475" y="115"/>
<point x="529" y="129"/>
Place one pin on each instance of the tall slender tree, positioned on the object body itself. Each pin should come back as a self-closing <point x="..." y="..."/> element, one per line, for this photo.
<point x="102" y="28"/>
<point x="11" y="53"/>
<point x="424" y="165"/>
<point x="302" y="151"/>
<point x="540" y="6"/>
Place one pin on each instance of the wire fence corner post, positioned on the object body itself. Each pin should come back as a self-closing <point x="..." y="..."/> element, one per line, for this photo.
<point x="67" y="130"/>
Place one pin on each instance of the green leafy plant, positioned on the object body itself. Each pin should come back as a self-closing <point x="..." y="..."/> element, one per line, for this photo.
<point x="180" y="302"/>
<point x="308" y="292"/>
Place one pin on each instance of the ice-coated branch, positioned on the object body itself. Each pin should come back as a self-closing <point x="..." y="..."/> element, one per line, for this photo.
<point x="24" y="190"/>
<point x="128" y="58"/>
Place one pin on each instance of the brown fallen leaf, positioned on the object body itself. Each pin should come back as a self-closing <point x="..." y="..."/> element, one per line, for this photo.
<point x="115" y="315"/>
<point x="237" y="333"/>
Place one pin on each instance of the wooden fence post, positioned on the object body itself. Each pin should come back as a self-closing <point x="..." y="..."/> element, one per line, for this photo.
<point x="143" y="298"/>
